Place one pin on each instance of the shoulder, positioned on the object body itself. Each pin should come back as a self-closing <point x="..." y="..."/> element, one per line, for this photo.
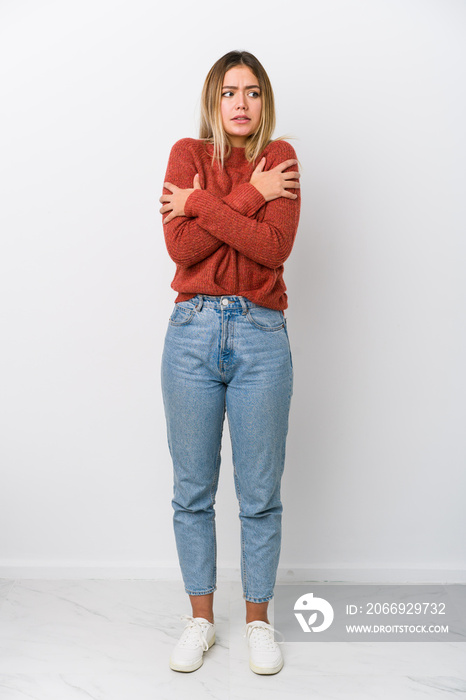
<point x="280" y="149"/>
<point x="188" y="144"/>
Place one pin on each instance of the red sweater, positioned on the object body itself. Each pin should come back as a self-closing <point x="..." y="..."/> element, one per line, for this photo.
<point x="231" y="240"/>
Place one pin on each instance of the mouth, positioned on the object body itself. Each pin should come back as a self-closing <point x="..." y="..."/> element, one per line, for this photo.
<point x="241" y="120"/>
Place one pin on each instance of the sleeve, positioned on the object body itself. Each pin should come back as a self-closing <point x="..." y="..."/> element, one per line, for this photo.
<point x="269" y="241"/>
<point x="187" y="242"/>
<point x="245" y="199"/>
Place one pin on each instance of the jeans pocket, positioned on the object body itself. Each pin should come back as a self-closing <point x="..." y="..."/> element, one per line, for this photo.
<point x="266" y="319"/>
<point x="182" y="314"/>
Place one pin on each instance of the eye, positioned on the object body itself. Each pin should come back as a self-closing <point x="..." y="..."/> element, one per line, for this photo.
<point x="254" y="94"/>
<point x="227" y="93"/>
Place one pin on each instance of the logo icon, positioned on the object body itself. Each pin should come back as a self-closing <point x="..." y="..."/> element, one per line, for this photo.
<point x="313" y="605"/>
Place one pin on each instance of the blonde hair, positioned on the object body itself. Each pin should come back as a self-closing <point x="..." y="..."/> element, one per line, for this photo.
<point x="211" y="127"/>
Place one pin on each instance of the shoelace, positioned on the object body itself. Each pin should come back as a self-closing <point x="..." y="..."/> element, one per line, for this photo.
<point x="263" y="635"/>
<point x="193" y="633"/>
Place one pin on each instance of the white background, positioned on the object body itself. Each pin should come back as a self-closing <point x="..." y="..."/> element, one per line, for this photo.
<point x="93" y="95"/>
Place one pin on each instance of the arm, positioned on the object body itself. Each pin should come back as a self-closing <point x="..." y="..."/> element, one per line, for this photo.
<point x="245" y="199"/>
<point x="187" y="242"/>
<point x="268" y="242"/>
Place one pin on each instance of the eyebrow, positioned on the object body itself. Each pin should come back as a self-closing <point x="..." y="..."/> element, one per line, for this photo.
<point x="235" y="87"/>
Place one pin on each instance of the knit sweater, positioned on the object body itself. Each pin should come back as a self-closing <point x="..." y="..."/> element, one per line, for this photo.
<point x="230" y="241"/>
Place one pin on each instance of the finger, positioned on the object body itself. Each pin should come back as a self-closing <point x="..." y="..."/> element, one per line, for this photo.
<point x="165" y="208"/>
<point x="289" y="195"/>
<point x="169" y="186"/>
<point x="165" y="198"/>
<point x="168" y="218"/>
<point x="196" y="182"/>
<point x="260" y="166"/>
<point x="286" y="164"/>
<point x="291" y="174"/>
<point x="292" y="183"/>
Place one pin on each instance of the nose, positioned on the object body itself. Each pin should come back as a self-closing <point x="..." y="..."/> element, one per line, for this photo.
<point x="241" y="101"/>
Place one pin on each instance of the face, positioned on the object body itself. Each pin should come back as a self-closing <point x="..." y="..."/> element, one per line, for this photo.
<point x="240" y="104"/>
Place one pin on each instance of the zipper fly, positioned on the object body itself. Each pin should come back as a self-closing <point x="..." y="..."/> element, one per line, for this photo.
<point x="226" y="340"/>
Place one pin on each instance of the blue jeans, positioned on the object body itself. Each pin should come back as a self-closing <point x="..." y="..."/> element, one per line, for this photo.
<point x="227" y="354"/>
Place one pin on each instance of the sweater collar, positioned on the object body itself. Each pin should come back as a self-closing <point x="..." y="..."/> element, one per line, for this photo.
<point x="237" y="155"/>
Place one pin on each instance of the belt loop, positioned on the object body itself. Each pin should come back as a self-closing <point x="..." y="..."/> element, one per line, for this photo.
<point x="201" y="301"/>
<point x="244" y="305"/>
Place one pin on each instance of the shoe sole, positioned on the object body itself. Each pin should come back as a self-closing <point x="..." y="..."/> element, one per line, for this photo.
<point x="264" y="671"/>
<point x="193" y="667"/>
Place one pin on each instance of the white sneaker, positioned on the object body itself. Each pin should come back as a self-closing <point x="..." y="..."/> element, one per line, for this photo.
<point x="265" y="656"/>
<point x="198" y="636"/>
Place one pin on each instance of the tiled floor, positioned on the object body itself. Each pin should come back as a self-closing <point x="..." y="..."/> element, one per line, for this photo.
<point x="61" y="640"/>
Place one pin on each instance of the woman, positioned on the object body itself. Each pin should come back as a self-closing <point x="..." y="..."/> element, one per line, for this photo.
<point x="231" y="200"/>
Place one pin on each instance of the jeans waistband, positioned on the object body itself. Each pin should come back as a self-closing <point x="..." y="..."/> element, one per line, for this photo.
<point x="226" y="301"/>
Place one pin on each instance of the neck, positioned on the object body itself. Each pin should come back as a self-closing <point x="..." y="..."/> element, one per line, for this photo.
<point x="238" y="142"/>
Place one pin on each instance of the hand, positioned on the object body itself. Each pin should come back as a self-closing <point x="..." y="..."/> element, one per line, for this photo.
<point x="273" y="183"/>
<point x="175" y="202"/>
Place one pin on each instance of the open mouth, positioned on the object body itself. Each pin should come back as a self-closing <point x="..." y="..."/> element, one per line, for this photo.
<point x="241" y="119"/>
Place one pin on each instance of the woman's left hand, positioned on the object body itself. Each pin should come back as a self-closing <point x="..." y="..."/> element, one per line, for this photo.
<point x="175" y="202"/>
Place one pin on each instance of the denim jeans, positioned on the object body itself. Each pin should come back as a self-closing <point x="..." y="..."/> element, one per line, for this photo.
<point x="227" y="355"/>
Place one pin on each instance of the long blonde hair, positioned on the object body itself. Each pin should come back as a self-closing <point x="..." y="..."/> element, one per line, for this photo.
<point x="211" y="127"/>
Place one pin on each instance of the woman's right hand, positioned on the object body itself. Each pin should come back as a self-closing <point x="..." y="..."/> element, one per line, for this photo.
<point x="273" y="183"/>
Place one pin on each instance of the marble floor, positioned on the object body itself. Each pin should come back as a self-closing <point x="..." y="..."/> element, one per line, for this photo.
<point x="96" y="638"/>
